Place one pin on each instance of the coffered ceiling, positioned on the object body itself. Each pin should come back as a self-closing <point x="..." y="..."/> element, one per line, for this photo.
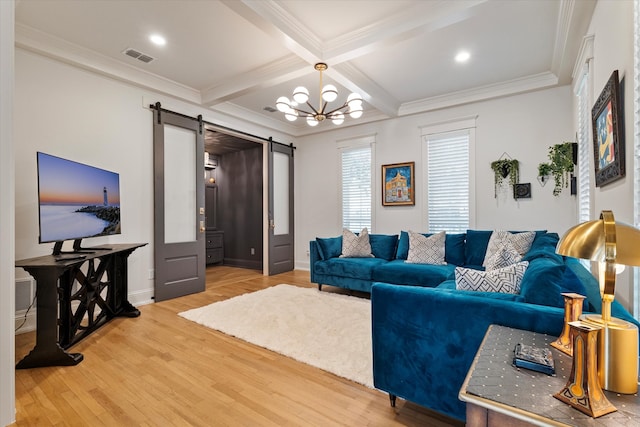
<point x="238" y="56"/>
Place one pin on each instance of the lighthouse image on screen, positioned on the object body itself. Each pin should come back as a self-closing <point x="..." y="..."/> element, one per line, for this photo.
<point x="76" y="200"/>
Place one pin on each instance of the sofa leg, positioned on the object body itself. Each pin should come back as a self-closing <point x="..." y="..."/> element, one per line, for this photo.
<point x="392" y="400"/>
<point x="319" y="287"/>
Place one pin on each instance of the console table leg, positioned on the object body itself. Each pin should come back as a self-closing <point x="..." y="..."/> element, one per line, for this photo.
<point x="49" y="356"/>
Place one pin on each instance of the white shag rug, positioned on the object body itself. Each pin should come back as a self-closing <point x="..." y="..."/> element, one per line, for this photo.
<point x="325" y="330"/>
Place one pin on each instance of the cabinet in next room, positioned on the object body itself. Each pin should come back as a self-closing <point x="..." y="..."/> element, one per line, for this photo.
<point x="215" y="247"/>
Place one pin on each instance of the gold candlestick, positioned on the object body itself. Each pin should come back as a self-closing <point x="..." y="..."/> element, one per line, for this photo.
<point x="582" y="390"/>
<point x="572" y="312"/>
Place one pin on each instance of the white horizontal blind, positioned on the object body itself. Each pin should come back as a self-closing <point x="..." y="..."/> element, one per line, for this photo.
<point x="356" y="188"/>
<point x="448" y="181"/>
<point x="584" y="121"/>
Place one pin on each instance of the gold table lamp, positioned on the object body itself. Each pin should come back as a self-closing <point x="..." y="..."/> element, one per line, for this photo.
<point x="609" y="243"/>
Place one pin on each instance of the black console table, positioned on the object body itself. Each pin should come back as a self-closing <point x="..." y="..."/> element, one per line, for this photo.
<point x="76" y="294"/>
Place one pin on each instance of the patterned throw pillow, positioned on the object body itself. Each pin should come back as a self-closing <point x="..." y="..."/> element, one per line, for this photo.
<point x="505" y="256"/>
<point x="354" y="246"/>
<point x="520" y="241"/>
<point x="505" y="280"/>
<point x="426" y="250"/>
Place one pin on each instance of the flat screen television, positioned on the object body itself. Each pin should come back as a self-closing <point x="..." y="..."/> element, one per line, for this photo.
<point x="76" y="201"/>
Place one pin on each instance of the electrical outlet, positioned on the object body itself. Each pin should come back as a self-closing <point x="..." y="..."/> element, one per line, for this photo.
<point x="253" y="251"/>
<point x="307" y="253"/>
<point x="152" y="274"/>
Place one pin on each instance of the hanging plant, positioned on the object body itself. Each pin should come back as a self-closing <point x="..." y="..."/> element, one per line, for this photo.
<point x="544" y="170"/>
<point x="560" y="166"/>
<point x="503" y="169"/>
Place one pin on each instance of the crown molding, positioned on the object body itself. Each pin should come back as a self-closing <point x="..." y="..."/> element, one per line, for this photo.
<point x="32" y="40"/>
<point x="525" y="84"/>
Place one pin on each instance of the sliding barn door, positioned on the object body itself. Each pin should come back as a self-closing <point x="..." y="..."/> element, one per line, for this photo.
<point x="179" y="229"/>
<point x="281" y="235"/>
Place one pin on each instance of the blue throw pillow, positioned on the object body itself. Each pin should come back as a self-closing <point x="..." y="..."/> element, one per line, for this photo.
<point x="544" y="245"/>
<point x="402" y="252"/>
<point x="454" y="249"/>
<point x="542" y="283"/>
<point x="571" y="283"/>
<point x="330" y="247"/>
<point x="476" y="246"/>
<point x="383" y="246"/>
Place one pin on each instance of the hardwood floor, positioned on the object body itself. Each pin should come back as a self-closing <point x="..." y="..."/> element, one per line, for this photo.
<point x="162" y="370"/>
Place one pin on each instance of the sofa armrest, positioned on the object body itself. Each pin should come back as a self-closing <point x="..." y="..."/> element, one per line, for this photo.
<point x="424" y="340"/>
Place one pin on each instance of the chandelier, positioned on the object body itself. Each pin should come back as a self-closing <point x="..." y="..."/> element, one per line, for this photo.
<point x="328" y="93"/>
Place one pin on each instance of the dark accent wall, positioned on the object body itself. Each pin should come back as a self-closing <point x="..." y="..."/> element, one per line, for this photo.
<point x="239" y="179"/>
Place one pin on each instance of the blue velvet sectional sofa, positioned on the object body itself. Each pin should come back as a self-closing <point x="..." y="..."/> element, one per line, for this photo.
<point x="426" y="332"/>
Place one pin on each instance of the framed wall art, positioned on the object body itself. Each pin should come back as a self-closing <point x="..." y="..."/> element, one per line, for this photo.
<point x="398" y="184"/>
<point x="608" y="149"/>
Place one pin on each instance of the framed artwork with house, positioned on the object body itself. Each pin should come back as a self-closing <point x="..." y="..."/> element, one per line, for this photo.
<point x="608" y="150"/>
<point x="398" y="186"/>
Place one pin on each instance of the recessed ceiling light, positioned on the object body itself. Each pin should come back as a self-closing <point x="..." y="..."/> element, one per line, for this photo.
<point x="463" y="56"/>
<point x="157" y="39"/>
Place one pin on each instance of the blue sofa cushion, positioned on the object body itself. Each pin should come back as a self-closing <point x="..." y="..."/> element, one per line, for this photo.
<point x="383" y="245"/>
<point x="542" y="282"/>
<point x="453" y="247"/>
<point x="356" y="268"/>
<point x="401" y="273"/>
<point x="476" y="246"/>
<point x="329" y="247"/>
<point x="544" y="245"/>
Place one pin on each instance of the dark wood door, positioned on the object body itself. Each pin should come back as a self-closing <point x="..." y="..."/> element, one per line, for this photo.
<point x="281" y="226"/>
<point x="179" y="228"/>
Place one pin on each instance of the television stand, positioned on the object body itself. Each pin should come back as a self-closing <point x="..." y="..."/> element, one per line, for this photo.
<point x="76" y="297"/>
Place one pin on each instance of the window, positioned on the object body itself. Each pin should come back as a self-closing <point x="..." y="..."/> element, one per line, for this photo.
<point x="584" y="169"/>
<point x="356" y="160"/>
<point x="447" y="181"/>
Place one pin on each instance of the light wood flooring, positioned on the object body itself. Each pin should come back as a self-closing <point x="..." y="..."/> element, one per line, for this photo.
<point x="162" y="370"/>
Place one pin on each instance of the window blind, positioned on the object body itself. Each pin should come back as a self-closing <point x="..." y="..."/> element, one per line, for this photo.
<point x="448" y="181"/>
<point x="584" y="173"/>
<point x="356" y="188"/>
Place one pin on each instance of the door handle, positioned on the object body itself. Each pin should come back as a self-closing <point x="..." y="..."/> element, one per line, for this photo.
<point x="272" y="224"/>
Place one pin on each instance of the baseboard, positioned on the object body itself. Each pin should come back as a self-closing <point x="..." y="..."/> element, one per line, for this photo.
<point x="23" y="325"/>
<point x="303" y="265"/>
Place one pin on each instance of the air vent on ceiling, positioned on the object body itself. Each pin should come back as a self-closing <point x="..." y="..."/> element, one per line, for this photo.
<point x="269" y="109"/>
<point x="138" y="55"/>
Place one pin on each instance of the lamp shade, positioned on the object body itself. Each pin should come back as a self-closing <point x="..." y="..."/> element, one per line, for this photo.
<point x="587" y="241"/>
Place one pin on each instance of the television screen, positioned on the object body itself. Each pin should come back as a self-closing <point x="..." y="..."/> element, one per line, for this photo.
<point x="76" y="200"/>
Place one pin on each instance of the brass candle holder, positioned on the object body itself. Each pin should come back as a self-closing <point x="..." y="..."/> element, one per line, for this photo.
<point x="572" y="312"/>
<point x="582" y="390"/>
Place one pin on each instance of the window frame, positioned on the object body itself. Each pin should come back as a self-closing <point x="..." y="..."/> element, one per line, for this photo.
<point x="354" y="144"/>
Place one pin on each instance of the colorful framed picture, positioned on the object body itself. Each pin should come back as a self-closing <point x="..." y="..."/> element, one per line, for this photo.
<point x="398" y="184"/>
<point x="608" y="150"/>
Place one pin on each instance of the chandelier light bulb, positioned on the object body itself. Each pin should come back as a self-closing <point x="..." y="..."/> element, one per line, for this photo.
<point x="311" y="121"/>
<point x="337" y="118"/>
<point x="354" y="100"/>
<point x="300" y="94"/>
<point x="283" y="104"/>
<point x="291" y="115"/>
<point x="329" y="93"/>
<point x="355" y="113"/>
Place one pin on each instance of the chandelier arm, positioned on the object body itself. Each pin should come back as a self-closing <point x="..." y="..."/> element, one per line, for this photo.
<point x="306" y="113"/>
<point x="314" y="110"/>
<point x="336" y="110"/>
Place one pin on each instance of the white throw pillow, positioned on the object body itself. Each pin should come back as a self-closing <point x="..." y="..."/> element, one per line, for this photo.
<point x="520" y="241"/>
<point x="505" y="256"/>
<point x="354" y="246"/>
<point x="426" y="250"/>
<point x="505" y="280"/>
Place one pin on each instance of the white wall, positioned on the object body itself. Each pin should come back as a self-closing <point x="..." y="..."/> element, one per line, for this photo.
<point x="7" y="289"/>
<point x="524" y="126"/>
<point x="76" y="114"/>
<point x="613" y="50"/>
